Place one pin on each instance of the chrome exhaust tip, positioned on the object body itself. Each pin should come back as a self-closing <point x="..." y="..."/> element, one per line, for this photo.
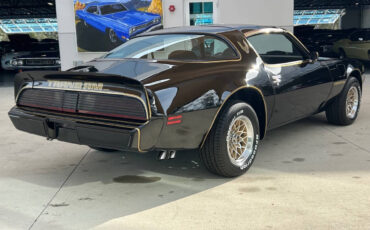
<point x="166" y="155"/>
<point x="172" y="154"/>
<point x="162" y="155"/>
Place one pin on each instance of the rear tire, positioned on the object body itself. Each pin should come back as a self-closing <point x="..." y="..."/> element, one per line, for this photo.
<point x="231" y="146"/>
<point x="345" y="107"/>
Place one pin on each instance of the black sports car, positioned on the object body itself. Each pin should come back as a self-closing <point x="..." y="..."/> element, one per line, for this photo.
<point x="214" y="88"/>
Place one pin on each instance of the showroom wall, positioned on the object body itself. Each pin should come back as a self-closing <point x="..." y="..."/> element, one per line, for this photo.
<point x="261" y="12"/>
<point x="67" y="36"/>
<point x="352" y="18"/>
<point x="366" y="17"/>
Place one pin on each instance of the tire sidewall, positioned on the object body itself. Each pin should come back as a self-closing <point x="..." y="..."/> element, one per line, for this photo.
<point x="236" y="110"/>
<point x="351" y="82"/>
<point x="112" y="42"/>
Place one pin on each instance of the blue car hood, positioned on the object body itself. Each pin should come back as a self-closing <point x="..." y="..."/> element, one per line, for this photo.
<point x="133" y="18"/>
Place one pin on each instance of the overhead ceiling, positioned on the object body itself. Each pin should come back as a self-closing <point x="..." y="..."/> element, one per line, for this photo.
<point x="10" y="9"/>
<point x="328" y="4"/>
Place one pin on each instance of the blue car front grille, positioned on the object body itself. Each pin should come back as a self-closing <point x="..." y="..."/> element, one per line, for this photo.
<point x="145" y="25"/>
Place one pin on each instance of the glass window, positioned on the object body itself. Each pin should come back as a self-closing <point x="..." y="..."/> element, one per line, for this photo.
<point x="276" y="48"/>
<point x="208" y="7"/>
<point x="92" y="10"/>
<point x="201" y="13"/>
<point x="111" y="9"/>
<point x="186" y="47"/>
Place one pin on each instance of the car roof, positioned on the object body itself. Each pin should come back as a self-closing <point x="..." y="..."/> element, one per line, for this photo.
<point x="211" y="29"/>
<point x="96" y="3"/>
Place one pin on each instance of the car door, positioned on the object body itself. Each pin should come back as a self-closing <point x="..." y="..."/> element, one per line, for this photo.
<point x="92" y="14"/>
<point x="300" y="85"/>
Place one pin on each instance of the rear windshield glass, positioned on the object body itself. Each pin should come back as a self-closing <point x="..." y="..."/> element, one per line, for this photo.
<point x="110" y="9"/>
<point x="188" y="47"/>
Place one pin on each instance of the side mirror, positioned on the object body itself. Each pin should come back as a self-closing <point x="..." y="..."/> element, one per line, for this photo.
<point x="314" y="55"/>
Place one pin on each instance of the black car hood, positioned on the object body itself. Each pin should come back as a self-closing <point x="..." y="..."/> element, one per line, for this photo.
<point x="138" y="69"/>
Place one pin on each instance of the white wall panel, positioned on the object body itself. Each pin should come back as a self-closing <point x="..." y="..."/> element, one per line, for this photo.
<point x="67" y="36"/>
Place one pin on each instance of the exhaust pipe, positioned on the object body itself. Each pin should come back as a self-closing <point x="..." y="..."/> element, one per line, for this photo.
<point x="172" y="154"/>
<point x="162" y="155"/>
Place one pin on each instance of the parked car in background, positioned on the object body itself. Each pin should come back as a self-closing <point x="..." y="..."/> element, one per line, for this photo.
<point x="116" y="21"/>
<point x="26" y="60"/>
<point x="356" y="45"/>
<point x="23" y="52"/>
<point x="320" y="40"/>
<point x="214" y="88"/>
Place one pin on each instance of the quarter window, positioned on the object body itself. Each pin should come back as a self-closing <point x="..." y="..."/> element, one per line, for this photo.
<point x="276" y="48"/>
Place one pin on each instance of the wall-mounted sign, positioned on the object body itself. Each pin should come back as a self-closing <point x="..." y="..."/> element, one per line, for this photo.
<point x="316" y="17"/>
<point x="30" y="25"/>
<point x="102" y="25"/>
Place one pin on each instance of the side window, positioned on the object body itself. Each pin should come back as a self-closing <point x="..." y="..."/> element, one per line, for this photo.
<point x="276" y="48"/>
<point x="92" y="10"/>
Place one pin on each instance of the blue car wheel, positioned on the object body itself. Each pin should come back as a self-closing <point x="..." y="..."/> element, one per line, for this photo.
<point x="112" y="36"/>
<point x="85" y="24"/>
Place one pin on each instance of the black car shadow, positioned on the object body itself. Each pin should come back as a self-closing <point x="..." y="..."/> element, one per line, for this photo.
<point x="90" y="39"/>
<point x="126" y="183"/>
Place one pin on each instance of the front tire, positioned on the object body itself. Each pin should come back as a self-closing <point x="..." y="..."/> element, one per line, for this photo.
<point x="231" y="146"/>
<point x="113" y="38"/>
<point x="344" y="109"/>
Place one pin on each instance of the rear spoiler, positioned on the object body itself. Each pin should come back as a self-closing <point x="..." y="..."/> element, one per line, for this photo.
<point x="31" y="77"/>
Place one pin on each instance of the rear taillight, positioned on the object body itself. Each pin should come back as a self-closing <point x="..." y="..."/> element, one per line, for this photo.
<point x="174" y="120"/>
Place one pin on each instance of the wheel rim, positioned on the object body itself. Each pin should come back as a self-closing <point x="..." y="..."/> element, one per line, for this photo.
<point x="240" y="139"/>
<point x="112" y="36"/>
<point x="352" y="102"/>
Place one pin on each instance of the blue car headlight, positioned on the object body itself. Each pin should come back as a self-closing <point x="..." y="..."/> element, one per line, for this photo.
<point x="132" y="30"/>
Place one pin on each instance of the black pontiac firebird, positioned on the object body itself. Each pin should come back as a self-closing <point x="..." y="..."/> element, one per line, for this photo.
<point x="213" y="88"/>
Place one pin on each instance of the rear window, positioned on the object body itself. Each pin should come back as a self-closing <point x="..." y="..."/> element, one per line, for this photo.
<point x="187" y="47"/>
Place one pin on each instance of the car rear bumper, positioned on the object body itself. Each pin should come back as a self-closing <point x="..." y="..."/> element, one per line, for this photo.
<point x="83" y="132"/>
<point x="155" y="134"/>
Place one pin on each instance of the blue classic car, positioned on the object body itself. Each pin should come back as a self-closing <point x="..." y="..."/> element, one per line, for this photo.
<point x="116" y="21"/>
